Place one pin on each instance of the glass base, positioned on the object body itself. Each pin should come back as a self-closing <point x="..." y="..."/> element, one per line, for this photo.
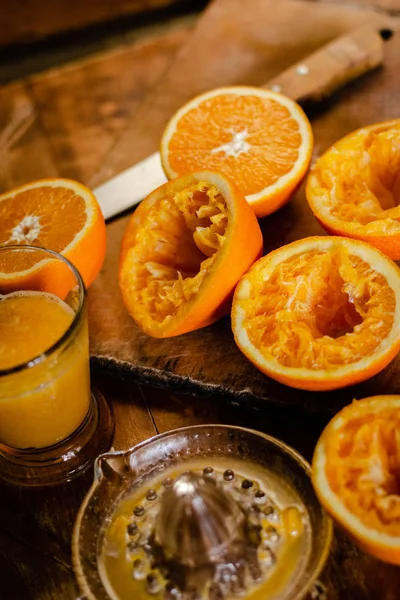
<point x="67" y="459"/>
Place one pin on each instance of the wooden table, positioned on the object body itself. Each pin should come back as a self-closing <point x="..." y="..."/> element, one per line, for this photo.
<point x="36" y="525"/>
<point x="37" y="121"/>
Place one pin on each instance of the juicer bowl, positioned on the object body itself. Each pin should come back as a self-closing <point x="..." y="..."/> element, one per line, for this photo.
<point x="254" y="456"/>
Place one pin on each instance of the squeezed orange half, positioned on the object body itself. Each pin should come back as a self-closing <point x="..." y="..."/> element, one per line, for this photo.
<point x="356" y="473"/>
<point x="320" y="313"/>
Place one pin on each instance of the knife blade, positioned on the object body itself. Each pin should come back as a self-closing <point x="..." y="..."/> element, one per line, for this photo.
<point x="308" y="81"/>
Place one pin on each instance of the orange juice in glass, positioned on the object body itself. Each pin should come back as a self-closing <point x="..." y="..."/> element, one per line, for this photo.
<point x="48" y="414"/>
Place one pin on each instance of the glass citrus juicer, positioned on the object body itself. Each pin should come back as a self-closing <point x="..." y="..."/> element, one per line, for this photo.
<point x="207" y="512"/>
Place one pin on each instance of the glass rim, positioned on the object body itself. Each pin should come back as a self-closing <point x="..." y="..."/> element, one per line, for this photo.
<point x="72" y="326"/>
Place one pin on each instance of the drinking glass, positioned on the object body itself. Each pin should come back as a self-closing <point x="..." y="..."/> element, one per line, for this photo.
<point x="52" y="425"/>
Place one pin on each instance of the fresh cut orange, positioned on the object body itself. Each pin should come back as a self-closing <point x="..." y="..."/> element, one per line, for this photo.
<point x="260" y="139"/>
<point x="355" y="472"/>
<point x="354" y="188"/>
<point x="320" y="313"/>
<point x="184" y="249"/>
<point x="57" y="214"/>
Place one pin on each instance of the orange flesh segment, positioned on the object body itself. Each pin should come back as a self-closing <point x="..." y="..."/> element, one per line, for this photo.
<point x="28" y="217"/>
<point x="176" y="245"/>
<point x="363" y="468"/>
<point x="319" y="310"/>
<point x="266" y="132"/>
<point x="360" y="179"/>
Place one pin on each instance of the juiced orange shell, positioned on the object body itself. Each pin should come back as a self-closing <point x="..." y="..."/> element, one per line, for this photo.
<point x="320" y="313"/>
<point x="184" y="250"/>
<point x="355" y="473"/>
<point x="354" y="188"/>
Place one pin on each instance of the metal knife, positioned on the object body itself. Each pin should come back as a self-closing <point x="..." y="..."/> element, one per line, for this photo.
<point x="314" y="78"/>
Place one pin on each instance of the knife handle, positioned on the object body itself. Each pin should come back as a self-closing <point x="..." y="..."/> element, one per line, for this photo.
<point x="331" y="67"/>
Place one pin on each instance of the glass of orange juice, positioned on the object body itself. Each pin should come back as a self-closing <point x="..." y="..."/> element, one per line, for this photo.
<point x="52" y="425"/>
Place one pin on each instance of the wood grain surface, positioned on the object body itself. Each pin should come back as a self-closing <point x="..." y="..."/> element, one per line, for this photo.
<point x="63" y="122"/>
<point x="244" y="47"/>
<point x="36" y="525"/>
<point x="39" y="138"/>
<point x="390" y="6"/>
<point x="40" y="18"/>
<point x="251" y="51"/>
<point x="85" y="108"/>
<point x="21" y="138"/>
<point x="341" y="61"/>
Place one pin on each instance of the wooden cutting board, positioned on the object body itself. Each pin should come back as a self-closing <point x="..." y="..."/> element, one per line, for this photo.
<point x="233" y="44"/>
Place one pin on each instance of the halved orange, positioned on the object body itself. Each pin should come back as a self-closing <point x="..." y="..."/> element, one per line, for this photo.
<point x="260" y="139"/>
<point x="184" y="249"/>
<point x="58" y="214"/>
<point x="320" y="313"/>
<point x="355" y="472"/>
<point x="354" y="188"/>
